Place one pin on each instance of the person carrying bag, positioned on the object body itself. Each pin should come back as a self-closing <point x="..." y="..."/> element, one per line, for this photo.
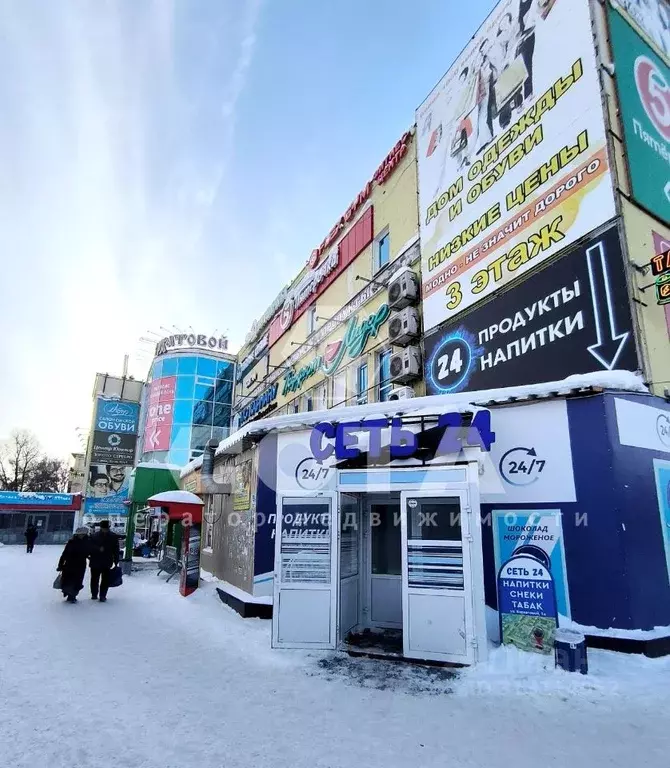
<point x="104" y="556"/>
<point x="72" y="565"/>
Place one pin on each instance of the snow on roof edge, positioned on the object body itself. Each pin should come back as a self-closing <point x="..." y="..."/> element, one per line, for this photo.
<point x="176" y="497"/>
<point x="463" y="401"/>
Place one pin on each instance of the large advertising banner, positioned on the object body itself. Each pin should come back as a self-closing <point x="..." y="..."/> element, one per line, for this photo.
<point x="113" y="448"/>
<point x="512" y="153"/>
<point x="534" y="533"/>
<point x="651" y="17"/>
<point x="108" y="489"/>
<point x="570" y="317"/>
<point x="112" y="457"/>
<point x="116" y="416"/>
<point x="160" y="406"/>
<point x="643" y="85"/>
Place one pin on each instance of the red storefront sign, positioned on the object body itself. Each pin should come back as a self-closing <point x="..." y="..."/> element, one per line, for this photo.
<point x="160" y="405"/>
<point x="319" y="279"/>
<point x="388" y="165"/>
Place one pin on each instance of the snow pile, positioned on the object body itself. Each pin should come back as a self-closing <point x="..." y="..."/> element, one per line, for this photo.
<point x="157" y="680"/>
<point x="623" y="634"/>
<point x="509" y="671"/>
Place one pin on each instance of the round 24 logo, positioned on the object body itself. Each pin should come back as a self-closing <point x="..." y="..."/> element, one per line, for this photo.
<point x="654" y="92"/>
<point x="450" y="364"/>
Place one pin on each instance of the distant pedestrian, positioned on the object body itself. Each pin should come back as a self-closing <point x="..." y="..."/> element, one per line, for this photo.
<point x="72" y="564"/>
<point x="104" y="556"/>
<point x="30" y="534"/>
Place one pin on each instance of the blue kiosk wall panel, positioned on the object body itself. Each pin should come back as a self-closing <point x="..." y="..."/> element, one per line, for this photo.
<point x="641" y="530"/>
<point x="266" y="505"/>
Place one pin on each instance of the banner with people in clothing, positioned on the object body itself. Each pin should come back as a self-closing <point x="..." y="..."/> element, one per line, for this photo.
<point x="107" y="490"/>
<point x="512" y="153"/>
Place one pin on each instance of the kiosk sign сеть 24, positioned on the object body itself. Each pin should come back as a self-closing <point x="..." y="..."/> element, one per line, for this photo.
<point x="527" y="605"/>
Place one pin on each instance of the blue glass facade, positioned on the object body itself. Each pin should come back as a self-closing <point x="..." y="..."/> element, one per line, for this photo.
<point x="200" y="390"/>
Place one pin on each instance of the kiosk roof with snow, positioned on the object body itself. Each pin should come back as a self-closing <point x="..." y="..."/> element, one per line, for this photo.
<point x="178" y="504"/>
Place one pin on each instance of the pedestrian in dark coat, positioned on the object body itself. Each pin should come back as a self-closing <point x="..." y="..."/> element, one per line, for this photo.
<point x="104" y="556"/>
<point x="72" y="564"/>
<point x="31" y="535"/>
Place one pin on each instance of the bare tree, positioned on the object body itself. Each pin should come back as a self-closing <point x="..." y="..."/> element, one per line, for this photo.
<point x="24" y="467"/>
<point x="18" y="457"/>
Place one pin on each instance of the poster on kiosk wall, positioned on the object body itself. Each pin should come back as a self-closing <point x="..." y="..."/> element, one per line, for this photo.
<point x="512" y="153"/>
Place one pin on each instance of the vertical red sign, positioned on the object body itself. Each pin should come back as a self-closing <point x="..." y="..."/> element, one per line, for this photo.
<point x="160" y="407"/>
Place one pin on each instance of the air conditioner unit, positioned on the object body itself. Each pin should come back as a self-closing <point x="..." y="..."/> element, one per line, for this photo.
<point x="406" y="365"/>
<point x="403" y="289"/>
<point x="401" y="393"/>
<point x="404" y="326"/>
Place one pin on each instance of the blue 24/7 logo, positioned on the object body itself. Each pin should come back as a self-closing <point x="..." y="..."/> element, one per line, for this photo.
<point x="521" y="466"/>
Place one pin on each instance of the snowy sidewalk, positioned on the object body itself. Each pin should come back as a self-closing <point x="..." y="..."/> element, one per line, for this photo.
<point x="154" y="680"/>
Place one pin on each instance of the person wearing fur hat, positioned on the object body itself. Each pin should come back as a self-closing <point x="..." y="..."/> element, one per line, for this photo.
<point x="72" y="564"/>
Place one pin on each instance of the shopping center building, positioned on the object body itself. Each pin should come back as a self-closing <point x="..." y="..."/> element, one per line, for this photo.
<point x="455" y="422"/>
<point x="188" y="398"/>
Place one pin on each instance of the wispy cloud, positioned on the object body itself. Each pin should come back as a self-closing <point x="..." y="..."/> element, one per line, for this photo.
<point x="118" y="126"/>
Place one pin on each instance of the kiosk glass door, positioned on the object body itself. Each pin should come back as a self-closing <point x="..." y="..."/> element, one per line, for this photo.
<point x="384" y="562"/>
<point x="438" y="621"/>
<point x="306" y="568"/>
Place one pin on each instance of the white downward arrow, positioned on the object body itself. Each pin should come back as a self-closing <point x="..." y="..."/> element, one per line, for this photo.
<point x="609" y="344"/>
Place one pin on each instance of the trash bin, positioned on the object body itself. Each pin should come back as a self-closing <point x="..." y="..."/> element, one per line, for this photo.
<point x="570" y="651"/>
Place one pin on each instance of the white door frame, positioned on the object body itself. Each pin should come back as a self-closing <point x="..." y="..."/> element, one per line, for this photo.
<point x="372" y="498"/>
<point x="296" y="498"/>
<point x="467" y="593"/>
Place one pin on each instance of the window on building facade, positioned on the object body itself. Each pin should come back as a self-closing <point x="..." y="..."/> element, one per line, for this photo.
<point x="320" y="397"/>
<point x="338" y="395"/>
<point x="382" y="251"/>
<point x="295" y="406"/>
<point x="384" y="385"/>
<point x="209" y="533"/>
<point x="307" y="402"/>
<point x="362" y="384"/>
<point x="311" y="319"/>
<point x="200" y="396"/>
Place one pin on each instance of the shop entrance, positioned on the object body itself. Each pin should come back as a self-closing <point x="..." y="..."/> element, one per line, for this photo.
<point x="379" y="569"/>
<point x="370" y="572"/>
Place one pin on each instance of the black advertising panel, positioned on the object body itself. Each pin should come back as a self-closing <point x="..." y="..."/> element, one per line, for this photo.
<point x="115" y="448"/>
<point x="572" y="317"/>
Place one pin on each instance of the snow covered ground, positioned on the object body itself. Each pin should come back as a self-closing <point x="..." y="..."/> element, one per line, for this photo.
<point x="154" y="680"/>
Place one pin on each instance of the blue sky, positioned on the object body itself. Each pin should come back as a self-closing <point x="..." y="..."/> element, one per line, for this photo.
<point x="175" y="162"/>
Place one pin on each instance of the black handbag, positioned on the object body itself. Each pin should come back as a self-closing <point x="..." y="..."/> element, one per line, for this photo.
<point x="116" y="577"/>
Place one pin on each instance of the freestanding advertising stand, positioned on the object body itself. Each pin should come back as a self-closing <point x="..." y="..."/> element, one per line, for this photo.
<point x="190" y="571"/>
<point x="185" y="509"/>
